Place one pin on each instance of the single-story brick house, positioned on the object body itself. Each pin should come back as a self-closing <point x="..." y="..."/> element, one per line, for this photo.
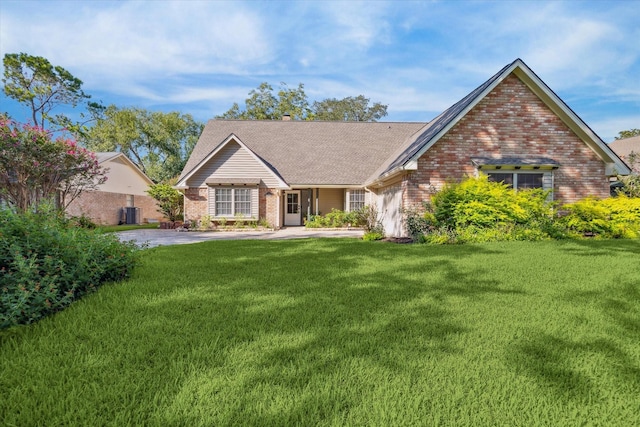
<point x="512" y="127"/>
<point x="125" y="187"/>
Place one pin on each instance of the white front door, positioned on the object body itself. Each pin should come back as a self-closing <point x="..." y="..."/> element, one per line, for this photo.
<point x="292" y="208"/>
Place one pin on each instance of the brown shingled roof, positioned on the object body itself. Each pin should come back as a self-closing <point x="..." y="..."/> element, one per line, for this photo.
<point x="320" y="153"/>
<point x="624" y="147"/>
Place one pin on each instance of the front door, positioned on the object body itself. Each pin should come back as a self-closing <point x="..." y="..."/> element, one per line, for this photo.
<point x="292" y="208"/>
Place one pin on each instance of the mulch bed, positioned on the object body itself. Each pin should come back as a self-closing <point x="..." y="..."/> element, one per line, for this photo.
<point x="401" y="240"/>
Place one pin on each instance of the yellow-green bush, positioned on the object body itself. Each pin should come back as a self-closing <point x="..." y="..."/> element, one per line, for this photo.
<point x="481" y="203"/>
<point x="479" y="210"/>
<point x="614" y="217"/>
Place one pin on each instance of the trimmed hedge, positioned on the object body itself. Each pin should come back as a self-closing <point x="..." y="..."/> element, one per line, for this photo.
<point x="47" y="262"/>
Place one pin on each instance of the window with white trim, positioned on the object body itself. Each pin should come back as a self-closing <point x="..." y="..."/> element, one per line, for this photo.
<point x="233" y="201"/>
<point x="224" y="204"/>
<point x="242" y="201"/>
<point x="518" y="180"/>
<point x="356" y="199"/>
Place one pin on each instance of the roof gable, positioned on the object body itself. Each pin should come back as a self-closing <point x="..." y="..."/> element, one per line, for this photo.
<point x="219" y="150"/>
<point x="114" y="156"/>
<point x="407" y="156"/>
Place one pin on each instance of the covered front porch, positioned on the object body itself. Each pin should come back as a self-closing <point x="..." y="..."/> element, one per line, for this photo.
<point x="300" y="203"/>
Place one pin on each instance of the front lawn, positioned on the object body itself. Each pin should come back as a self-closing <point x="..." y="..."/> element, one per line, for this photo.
<point x="341" y="332"/>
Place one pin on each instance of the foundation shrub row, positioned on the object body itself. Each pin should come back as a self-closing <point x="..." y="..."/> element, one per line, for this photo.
<point x="477" y="210"/>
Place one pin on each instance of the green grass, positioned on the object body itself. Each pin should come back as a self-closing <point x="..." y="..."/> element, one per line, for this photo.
<point x="341" y="332"/>
<point x="115" y="228"/>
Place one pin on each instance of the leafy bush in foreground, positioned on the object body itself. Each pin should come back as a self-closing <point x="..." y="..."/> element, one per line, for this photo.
<point x="46" y="263"/>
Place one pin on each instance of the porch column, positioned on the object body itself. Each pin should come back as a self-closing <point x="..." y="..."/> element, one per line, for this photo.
<point x="317" y="200"/>
<point x="278" y="204"/>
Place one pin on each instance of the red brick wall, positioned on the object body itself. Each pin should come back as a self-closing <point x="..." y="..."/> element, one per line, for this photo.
<point x="268" y="206"/>
<point x="104" y="207"/>
<point x="511" y="121"/>
<point x="196" y="204"/>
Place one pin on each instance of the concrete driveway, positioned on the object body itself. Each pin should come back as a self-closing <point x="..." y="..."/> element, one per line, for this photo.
<point x="153" y="237"/>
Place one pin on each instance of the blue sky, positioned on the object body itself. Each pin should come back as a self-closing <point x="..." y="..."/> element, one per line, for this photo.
<point x="199" y="57"/>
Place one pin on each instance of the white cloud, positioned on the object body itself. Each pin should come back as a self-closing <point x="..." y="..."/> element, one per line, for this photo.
<point x="418" y="57"/>
<point x="608" y="128"/>
<point x="138" y="40"/>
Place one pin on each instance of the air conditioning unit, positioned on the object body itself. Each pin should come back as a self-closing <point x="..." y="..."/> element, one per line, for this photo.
<point x="132" y="215"/>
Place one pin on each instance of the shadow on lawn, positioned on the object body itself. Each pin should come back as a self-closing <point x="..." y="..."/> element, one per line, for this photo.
<point x="332" y="309"/>
<point x="559" y="362"/>
<point x="589" y="248"/>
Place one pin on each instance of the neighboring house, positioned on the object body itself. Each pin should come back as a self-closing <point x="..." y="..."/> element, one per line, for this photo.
<point x="629" y="150"/>
<point x="513" y="127"/>
<point x="125" y="187"/>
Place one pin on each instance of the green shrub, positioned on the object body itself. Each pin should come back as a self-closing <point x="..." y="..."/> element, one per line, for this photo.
<point x="419" y="221"/>
<point x="334" y="219"/>
<point x="372" y="235"/>
<point x="478" y="210"/>
<point x="614" y="217"/>
<point x="482" y="203"/>
<point x="439" y="236"/>
<point x="314" y="221"/>
<point x="82" y="221"/>
<point x="46" y="263"/>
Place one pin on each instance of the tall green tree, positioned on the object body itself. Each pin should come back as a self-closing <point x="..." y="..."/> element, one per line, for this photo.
<point x="355" y="109"/>
<point x="264" y="104"/>
<point x="628" y="133"/>
<point x="43" y="87"/>
<point x="158" y="143"/>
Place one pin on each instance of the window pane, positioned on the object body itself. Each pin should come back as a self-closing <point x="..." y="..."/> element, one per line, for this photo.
<point x="223" y="201"/>
<point x="292" y="203"/>
<point x="529" y="180"/>
<point x="506" y="178"/>
<point x="356" y="199"/>
<point x="242" y="201"/>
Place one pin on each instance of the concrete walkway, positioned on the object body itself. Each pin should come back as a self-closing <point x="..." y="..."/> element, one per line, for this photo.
<point x="153" y="237"/>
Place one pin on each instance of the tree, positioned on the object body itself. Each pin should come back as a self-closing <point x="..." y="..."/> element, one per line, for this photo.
<point x="158" y="143"/>
<point x="628" y="133"/>
<point x="33" y="167"/>
<point x="34" y="82"/>
<point x="263" y="104"/>
<point x="170" y="200"/>
<point x="349" y="109"/>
